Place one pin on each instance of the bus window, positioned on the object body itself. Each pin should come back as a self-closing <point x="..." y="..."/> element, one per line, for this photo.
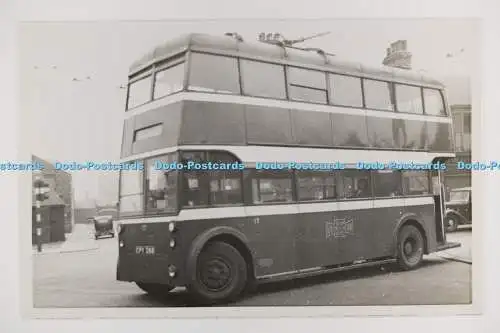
<point x="409" y="99"/>
<point x="260" y="79"/>
<point x="225" y="185"/>
<point x="161" y="186"/>
<point x="169" y="81"/>
<point x="387" y="183"/>
<point x="271" y="187"/>
<point x="139" y="92"/>
<point x="345" y="90"/>
<point x="131" y="192"/>
<point x="433" y="101"/>
<point x="211" y="73"/>
<point x="194" y="182"/>
<point x="356" y="184"/>
<point x="378" y="95"/>
<point x="306" y="85"/>
<point x="416" y="182"/>
<point x="320" y="185"/>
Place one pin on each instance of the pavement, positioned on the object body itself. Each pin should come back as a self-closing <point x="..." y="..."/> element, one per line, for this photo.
<point x="88" y="279"/>
<point x="463" y="253"/>
<point x="81" y="239"/>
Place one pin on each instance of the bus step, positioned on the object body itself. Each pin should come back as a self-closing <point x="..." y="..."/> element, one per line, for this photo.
<point x="447" y="246"/>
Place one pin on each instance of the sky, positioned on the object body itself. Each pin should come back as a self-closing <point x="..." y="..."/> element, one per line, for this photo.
<point x="71" y="74"/>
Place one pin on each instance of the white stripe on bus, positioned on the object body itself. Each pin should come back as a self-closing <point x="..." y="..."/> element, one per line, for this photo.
<point x="284" y="209"/>
<point x="268" y="154"/>
<point x="285" y="104"/>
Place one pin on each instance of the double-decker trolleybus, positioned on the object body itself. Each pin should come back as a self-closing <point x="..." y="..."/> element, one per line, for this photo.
<point x="262" y="161"/>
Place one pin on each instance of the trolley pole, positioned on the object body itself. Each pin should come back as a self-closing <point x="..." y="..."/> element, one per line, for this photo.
<point x="39" y="197"/>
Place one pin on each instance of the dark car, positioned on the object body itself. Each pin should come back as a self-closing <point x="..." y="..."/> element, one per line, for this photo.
<point x="458" y="208"/>
<point x="103" y="226"/>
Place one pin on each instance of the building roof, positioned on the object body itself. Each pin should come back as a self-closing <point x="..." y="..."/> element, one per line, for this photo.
<point x="48" y="166"/>
<point x="258" y="50"/>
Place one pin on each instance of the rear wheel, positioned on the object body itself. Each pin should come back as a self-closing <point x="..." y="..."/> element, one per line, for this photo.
<point x="221" y="274"/>
<point x="155" y="289"/>
<point x="451" y="223"/>
<point x="410" y="247"/>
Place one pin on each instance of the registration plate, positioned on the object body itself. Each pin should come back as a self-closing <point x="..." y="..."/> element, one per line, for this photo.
<point x="147" y="250"/>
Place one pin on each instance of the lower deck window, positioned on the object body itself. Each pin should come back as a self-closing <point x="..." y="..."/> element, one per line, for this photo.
<point x="356" y="184"/>
<point x="271" y="187"/>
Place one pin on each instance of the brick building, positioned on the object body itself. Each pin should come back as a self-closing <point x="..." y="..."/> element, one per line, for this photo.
<point x="60" y="183"/>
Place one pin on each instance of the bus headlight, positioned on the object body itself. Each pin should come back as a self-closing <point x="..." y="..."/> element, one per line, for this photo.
<point x="172" y="243"/>
<point x="121" y="244"/>
<point x="171" y="227"/>
<point x="172" y="270"/>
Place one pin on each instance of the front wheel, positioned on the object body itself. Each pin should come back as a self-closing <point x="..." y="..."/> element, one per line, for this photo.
<point x="451" y="223"/>
<point x="410" y="247"/>
<point x="221" y="274"/>
<point x="155" y="289"/>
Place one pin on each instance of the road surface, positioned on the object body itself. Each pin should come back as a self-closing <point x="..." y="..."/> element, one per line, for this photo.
<point x="87" y="279"/>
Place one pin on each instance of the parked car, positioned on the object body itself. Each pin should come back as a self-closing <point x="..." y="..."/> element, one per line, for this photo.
<point x="103" y="226"/>
<point x="458" y="208"/>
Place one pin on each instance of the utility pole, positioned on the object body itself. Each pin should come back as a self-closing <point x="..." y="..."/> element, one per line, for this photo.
<point x="39" y="197"/>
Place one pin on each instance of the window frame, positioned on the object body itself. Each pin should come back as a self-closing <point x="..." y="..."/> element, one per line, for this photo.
<point x="331" y="87"/>
<point x="275" y="64"/>
<point x="311" y="174"/>
<point x="136" y="78"/>
<point x="206" y="178"/>
<point x="175" y="210"/>
<point x="422" y="101"/>
<point x="165" y="66"/>
<point x="212" y="90"/>
<point x="440" y="91"/>
<point x="289" y="85"/>
<point x="374" y="174"/>
<point x="392" y="94"/>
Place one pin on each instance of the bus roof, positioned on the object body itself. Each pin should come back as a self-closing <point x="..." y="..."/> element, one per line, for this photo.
<point x="227" y="45"/>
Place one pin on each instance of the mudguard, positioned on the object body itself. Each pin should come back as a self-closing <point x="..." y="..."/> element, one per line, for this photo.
<point x="407" y="217"/>
<point x="454" y="212"/>
<point x="200" y="241"/>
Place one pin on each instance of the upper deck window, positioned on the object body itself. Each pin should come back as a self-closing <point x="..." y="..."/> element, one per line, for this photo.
<point x="378" y="95"/>
<point x="345" y="90"/>
<point x="307" y="85"/>
<point x="213" y="73"/>
<point x="261" y="79"/>
<point x="433" y="101"/>
<point x="139" y="92"/>
<point x="409" y="99"/>
<point x="169" y="80"/>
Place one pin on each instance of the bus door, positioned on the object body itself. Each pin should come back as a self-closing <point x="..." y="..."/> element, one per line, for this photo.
<point x="439" y="205"/>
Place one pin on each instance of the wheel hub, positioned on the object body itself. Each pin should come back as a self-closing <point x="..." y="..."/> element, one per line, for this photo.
<point x="216" y="274"/>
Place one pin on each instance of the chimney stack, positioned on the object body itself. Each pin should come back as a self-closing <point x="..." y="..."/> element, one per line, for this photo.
<point x="398" y="55"/>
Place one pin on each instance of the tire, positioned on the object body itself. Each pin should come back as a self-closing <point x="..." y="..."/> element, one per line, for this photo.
<point x="410" y="248"/>
<point x="220" y="276"/>
<point x="451" y="223"/>
<point x="155" y="289"/>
